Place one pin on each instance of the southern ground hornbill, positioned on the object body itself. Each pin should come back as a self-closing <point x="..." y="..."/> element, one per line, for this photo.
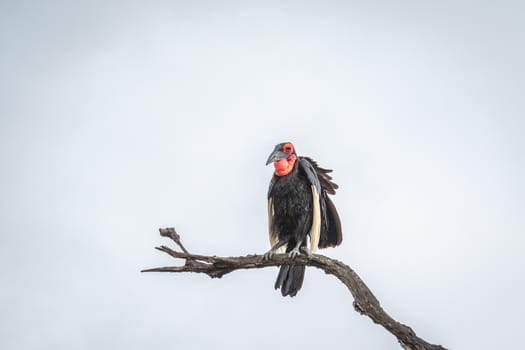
<point x="298" y="207"/>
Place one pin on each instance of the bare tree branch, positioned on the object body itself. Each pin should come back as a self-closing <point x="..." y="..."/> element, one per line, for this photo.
<point x="364" y="300"/>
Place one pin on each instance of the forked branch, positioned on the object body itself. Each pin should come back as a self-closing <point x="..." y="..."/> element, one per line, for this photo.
<point x="364" y="300"/>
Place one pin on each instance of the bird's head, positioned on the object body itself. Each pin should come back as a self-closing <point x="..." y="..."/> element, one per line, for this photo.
<point x="283" y="158"/>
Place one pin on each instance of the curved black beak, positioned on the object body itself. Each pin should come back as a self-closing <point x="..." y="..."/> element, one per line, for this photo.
<point x="276" y="155"/>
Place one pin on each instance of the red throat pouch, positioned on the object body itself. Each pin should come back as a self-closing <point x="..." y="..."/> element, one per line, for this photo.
<point x="284" y="166"/>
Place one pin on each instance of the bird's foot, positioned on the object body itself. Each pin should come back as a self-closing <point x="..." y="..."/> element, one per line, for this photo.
<point x="294" y="253"/>
<point x="306" y="251"/>
<point x="269" y="254"/>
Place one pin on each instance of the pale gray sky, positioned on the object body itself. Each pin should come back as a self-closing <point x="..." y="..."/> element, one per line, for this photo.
<point x="119" y="117"/>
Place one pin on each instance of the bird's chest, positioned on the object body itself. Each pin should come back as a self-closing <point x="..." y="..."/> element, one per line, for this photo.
<point x="292" y="198"/>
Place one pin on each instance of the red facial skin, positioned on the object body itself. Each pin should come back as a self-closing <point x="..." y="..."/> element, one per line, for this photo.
<point x="284" y="166"/>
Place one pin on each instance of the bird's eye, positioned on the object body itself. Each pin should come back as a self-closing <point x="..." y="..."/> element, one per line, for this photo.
<point x="288" y="148"/>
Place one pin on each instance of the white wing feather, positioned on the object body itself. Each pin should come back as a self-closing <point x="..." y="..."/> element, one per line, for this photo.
<point x="315" y="231"/>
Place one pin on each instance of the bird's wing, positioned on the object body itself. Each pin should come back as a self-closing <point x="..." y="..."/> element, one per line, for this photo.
<point x="326" y="225"/>
<point x="274" y="236"/>
<point x="315" y="185"/>
<point x="322" y="175"/>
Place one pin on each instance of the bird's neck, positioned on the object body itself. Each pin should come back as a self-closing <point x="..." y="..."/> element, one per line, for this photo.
<point x="284" y="166"/>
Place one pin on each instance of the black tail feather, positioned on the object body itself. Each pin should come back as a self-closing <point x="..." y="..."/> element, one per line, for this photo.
<point x="290" y="279"/>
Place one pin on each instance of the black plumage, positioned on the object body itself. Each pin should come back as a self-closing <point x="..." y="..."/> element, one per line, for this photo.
<point x="298" y="208"/>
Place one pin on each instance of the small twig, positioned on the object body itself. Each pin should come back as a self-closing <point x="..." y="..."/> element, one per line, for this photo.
<point x="364" y="300"/>
<point x="171" y="233"/>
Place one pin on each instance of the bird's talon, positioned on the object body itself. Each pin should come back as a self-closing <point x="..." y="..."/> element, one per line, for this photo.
<point x="268" y="255"/>
<point x="294" y="253"/>
<point x="307" y="251"/>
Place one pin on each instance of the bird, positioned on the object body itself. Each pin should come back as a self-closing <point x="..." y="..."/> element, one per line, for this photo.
<point x="299" y="208"/>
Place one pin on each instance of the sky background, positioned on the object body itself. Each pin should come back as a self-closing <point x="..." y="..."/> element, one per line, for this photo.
<point x="120" y="117"/>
